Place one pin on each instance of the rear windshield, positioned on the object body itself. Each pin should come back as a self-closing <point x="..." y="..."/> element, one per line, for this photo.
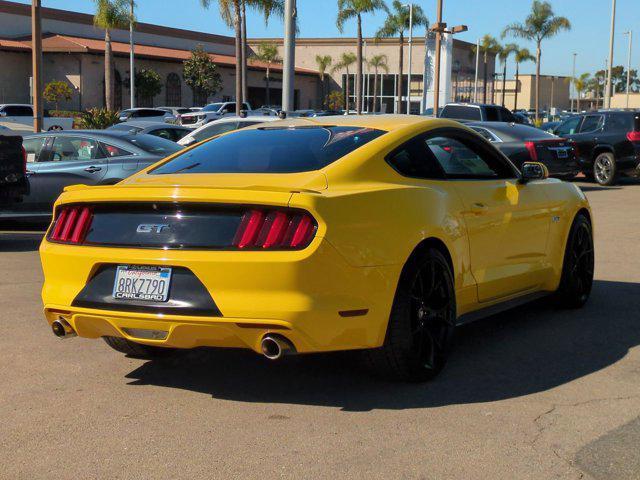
<point x="155" y="145"/>
<point x="271" y="150"/>
<point x="213" y="107"/>
<point x="461" y="112"/>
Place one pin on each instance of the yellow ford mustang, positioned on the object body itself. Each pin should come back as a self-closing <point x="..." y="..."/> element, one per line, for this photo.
<point x="380" y="233"/>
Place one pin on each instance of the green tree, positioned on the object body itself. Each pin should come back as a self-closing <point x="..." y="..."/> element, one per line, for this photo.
<point x="378" y="62"/>
<point x="347" y="59"/>
<point x="110" y="14"/>
<point x="201" y="74"/>
<point x="541" y="24"/>
<point x="348" y="9"/>
<point x="581" y="84"/>
<point x="396" y="23"/>
<point x="97" y="119"/>
<point x="522" y="55"/>
<point x="148" y="84"/>
<point x="323" y="62"/>
<point x="57" y="90"/>
<point x="503" y="55"/>
<point x="268" y="53"/>
<point x="335" y="101"/>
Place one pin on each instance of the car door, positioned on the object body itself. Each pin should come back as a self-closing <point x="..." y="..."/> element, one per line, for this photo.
<point x="507" y="222"/>
<point x="586" y="139"/>
<point x="71" y="160"/>
<point x="18" y="115"/>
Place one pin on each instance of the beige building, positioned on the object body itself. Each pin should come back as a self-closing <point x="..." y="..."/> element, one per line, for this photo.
<point x="554" y="93"/>
<point x="619" y="100"/>
<point x="74" y="52"/>
<point x="462" y="68"/>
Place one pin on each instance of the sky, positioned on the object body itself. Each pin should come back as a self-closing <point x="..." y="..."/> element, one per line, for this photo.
<point x="589" y="37"/>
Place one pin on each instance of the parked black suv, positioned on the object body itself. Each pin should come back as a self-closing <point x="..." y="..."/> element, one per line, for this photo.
<point x="607" y="143"/>
<point x="479" y="112"/>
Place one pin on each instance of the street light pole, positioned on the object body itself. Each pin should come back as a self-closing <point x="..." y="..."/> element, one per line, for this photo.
<point x="573" y="80"/>
<point x="36" y="60"/>
<point x="410" y="57"/>
<point x="610" y="66"/>
<point x="436" y="80"/>
<point x="289" y="55"/>
<point x="630" y="33"/>
<point x="475" y="84"/>
<point x="132" y="83"/>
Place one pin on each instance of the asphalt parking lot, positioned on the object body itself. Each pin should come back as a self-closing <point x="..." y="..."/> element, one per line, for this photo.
<point x="534" y="393"/>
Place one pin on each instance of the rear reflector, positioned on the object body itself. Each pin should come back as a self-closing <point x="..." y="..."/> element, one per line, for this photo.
<point x="633" y="136"/>
<point x="274" y="230"/>
<point x="71" y="225"/>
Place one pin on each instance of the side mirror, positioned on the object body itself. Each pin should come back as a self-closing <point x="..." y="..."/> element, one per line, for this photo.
<point x="533" y="171"/>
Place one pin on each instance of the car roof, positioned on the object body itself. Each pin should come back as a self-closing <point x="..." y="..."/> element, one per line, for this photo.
<point x="143" y="124"/>
<point x="97" y="134"/>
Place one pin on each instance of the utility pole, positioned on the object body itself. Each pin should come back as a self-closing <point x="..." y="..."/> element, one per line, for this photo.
<point x="36" y="61"/>
<point x="630" y="33"/>
<point x="607" y="97"/>
<point x="410" y="57"/>
<point x="289" y="55"/>
<point x="132" y="82"/>
<point x="475" y="85"/>
<point x="573" y="80"/>
<point x="436" y="80"/>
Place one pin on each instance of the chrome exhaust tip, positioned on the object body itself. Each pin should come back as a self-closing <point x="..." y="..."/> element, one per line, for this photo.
<point x="62" y="329"/>
<point x="275" y="346"/>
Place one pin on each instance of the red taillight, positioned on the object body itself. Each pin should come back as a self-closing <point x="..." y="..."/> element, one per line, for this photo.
<point x="633" y="136"/>
<point x="24" y="160"/>
<point x="71" y="225"/>
<point x="531" y="148"/>
<point x="274" y="230"/>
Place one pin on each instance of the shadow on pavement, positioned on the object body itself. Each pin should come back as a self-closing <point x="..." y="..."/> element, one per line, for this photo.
<point x="20" y="241"/>
<point x="527" y="350"/>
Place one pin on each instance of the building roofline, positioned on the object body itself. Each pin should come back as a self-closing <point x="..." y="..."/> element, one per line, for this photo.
<point x="86" y="19"/>
<point x="330" y="41"/>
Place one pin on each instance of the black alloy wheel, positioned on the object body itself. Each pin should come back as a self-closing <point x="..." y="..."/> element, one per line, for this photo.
<point x="422" y="321"/>
<point x="579" y="261"/>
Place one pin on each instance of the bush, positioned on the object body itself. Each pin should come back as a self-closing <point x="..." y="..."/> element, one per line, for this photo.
<point x="97" y="119"/>
<point x="335" y="100"/>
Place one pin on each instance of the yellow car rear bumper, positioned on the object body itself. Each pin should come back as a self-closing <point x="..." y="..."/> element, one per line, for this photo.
<point x="313" y="297"/>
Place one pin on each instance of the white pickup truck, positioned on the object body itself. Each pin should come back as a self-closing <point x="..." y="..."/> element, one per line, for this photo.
<point x="17" y="116"/>
<point x="213" y="111"/>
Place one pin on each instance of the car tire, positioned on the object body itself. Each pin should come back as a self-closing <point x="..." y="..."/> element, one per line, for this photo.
<point x="604" y="169"/>
<point x="422" y="321"/>
<point x="137" y="350"/>
<point x="577" y="269"/>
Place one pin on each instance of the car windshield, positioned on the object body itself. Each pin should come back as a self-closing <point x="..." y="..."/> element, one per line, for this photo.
<point x="154" y="145"/>
<point x="271" y="150"/>
<point x="213" y="107"/>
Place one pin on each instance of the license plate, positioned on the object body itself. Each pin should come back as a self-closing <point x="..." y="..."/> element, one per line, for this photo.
<point x="563" y="153"/>
<point x="142" y="283"/>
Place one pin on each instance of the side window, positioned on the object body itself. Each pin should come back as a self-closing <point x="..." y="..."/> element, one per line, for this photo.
<point x="113" y="152"/>
<point x="462" y="160"/>
<point x="18" y="111"/>
<point x="413" y="160"/>
<point x="163" y="133"/>
<point x="620" y="122"/>
<point x="149" y="113"/>
<point x="33" y="147"/>
<point x="75" y="148"/>
<point x="214" y="130"/>
<point x="592" y="123"/>
<point x="569" y="127"/>
<point x="492" y="114"/>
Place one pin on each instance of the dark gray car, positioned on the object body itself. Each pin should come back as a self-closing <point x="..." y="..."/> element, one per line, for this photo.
<point x="58" y="159"/>
<point x="158" y="129"/>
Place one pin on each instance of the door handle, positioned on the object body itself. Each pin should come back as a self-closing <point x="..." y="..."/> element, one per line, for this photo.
<point x="479" y="208"/>
<point x="92" y="169"/>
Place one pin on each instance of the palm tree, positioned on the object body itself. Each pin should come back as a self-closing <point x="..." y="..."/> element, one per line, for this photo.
<point x="378" y="62"/>
<point x="582" y="83"/>
<point x="522" y="55"/>
<point x="110" y="14"/>
<point x="539" y="25"/>
<point x="397" y="23"/>
<point x="230" y="11"/>
<point x="346" y="60"/>
<point x="503" y="56"/>
<point x="268" y="53"/>
<point x="323" y="62"/>
<point x="348" y="9"/>
<point x="267" y="8"/>
<point x="488" y="45"/>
